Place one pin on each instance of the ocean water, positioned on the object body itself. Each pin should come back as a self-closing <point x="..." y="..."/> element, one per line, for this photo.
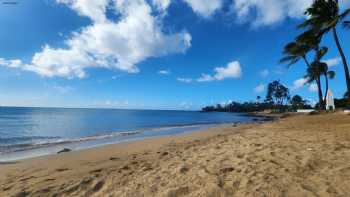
<point x="30" y="132"/>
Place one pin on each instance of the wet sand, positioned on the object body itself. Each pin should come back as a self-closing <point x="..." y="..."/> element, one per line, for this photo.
<point x="302" y="155"/>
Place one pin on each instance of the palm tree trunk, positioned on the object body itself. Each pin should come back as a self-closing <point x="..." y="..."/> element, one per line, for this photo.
<point x="327" y="87"/>
<point x="341" y="52"/>
<point x="306" y="62"/>
<point x="320" y="96"/>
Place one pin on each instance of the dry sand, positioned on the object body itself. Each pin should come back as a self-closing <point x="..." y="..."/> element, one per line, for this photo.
<point x="302" y="155"/>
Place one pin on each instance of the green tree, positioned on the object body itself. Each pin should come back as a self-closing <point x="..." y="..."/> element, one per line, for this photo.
<point x="295" y="51"/>
<point x="313" y="74"/>
<point x="297" y="102"/>
<point x="258" y="98"/>
<point x="277" y="93"/>
<point x="316" y="70"/>
<point x="298" y="49"/>
<point x="327" y="75"/>
<point x="323" y="17"/>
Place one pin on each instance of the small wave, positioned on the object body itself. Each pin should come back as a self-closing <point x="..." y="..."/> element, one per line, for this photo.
<point x="16" y="144"/>
<point x="33" y="142"/>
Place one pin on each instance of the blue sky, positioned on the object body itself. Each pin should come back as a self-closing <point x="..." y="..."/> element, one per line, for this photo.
<point x="156" y="54"/>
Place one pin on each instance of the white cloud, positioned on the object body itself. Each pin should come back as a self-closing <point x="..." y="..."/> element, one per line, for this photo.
<point x="232" y="70"/>
<point x="299" y="83"/>
<point x="302" y="82"/>
<point x="10" y="63"/>
<point x="95" y="10"/>
<point x="313" y="88"/>
<point x="186" y="105"/>
<point x="62" y="89"/>
<point x="264" y="73"/>
<point x="121" y="44"/>
<point x="114" y="103"/>
<point x="164" y="72"/>
<point x="161" y="4"/>
<point x="260" y="88"/>
<point x="333" y="61"/>
<point x="184" y="80"/>
<point x="268" y="12"/>
<point x="205" y="8"/>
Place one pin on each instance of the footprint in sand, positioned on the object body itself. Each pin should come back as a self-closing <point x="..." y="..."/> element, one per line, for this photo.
<point x="96" y="171"/>
<point x="98" y="186"/>
<point x="27" y="178"/>
<point x="22" y="194"/>
<point x="62" y="169"/>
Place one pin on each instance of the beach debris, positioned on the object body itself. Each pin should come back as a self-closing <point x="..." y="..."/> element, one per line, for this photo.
<point x="22" y="193"/>
<point x="62" y="169"/>
<point x="184" y="169"/>
<point x="65" y="150"/>
<point x="226" y="170"/>
<point x="113" y="158"/>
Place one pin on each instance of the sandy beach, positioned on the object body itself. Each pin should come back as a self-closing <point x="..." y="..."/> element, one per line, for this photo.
<point x="303" y="155"/>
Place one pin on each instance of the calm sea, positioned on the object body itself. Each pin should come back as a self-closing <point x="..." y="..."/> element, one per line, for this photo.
<point x="29" y="132"/>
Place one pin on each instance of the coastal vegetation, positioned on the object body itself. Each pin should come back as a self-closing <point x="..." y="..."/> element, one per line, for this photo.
<point x="277" y="99"/>
<point x="323" y="17"/>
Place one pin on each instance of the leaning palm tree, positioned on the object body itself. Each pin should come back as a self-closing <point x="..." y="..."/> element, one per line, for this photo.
<point x="295" y="51"/>
<point x="324" y="16"/>
<point x="328" y="74"/>
<point x="313" y="74"/>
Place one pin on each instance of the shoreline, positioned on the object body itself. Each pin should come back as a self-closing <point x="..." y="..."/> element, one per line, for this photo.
<point x="20" y="152"/>
<point x="301" y="155"/>
<point x="200" y="128"/>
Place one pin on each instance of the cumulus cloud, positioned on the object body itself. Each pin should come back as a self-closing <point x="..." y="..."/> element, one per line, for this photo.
<point x="164" y="72"/>
<point x="232" y="70"/>
<point x="10" y="63"/>
<point x="184" y="80"/>
<point x="161" y="5"/>
<point x="268" y="12"/>
<point x="313" y="88"/>
<point x="264" y="73"/>
<point x="205" y="8"/>
<point x="115" y="44"/>
<point x="299" y="83"/>
<point x="260" y="88"/>
<point x="333" y="61"/>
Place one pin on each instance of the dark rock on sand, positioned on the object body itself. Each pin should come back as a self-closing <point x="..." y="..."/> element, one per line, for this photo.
<point x="65" y="150"/>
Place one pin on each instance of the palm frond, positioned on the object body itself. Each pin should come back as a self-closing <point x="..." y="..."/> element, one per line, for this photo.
<point x="346" y="24"/>
<point x="321" y="52"/>
<point x="331" y="74"/>
<point x="311" y="38"/>
<point x="290" y="60"/>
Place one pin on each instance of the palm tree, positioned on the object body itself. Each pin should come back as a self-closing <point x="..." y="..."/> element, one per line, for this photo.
<point x="324" y="16"/>
<point x="328" y="75"/>
<point x="313" y="74"/>
<point x="295" y="51"/>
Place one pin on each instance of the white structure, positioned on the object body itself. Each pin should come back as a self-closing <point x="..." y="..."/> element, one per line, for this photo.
<point x="305" y="110"/>
<point x="330" y="100"/>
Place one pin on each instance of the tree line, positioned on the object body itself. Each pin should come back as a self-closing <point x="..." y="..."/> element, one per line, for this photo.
<point x="278" y="99"/>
